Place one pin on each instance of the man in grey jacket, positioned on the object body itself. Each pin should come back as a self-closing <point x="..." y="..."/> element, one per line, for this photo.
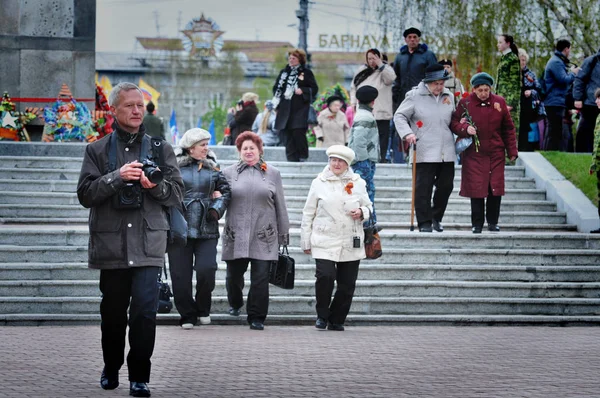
<point x="128" y="235"/>
<point x="585" y="84"/>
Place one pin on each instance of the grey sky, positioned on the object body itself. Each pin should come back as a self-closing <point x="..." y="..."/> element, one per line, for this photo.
<point x="120" y="21"/>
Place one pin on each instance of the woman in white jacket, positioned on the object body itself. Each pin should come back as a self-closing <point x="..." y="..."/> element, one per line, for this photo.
<point x="332" y="232"/>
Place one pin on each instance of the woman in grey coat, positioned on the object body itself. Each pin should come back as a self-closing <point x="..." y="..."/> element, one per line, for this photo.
<point x="424" y="116"/>
<point x="206" y="196"/>
<point x="256" y="224"/>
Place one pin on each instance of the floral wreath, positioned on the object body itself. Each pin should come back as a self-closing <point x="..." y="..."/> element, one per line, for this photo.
<point x="12" y="123"/>
<point x="68" y="121"/>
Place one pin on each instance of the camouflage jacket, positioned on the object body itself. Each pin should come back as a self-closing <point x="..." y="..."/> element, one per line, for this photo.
<point x="508" y="81"/>
<point x="595" y="166"/>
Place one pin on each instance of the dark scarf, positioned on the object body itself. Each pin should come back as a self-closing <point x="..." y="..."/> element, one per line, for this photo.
<point x="363" y="75"/>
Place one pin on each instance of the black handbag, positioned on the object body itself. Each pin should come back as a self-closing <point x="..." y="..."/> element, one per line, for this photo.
<point x="312" y="116"/>
<point x="178" y="227"/>
<point x="164" y="295"/>
<point x="283" y="270"/>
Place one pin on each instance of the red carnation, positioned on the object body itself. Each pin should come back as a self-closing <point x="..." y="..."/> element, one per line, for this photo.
<point x="465" y="95"/>
<point x="419" y="123"/>
<point x="456" y="94"/>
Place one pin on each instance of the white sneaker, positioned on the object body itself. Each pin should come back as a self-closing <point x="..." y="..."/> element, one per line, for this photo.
<point x="187" y="326"/>
<point x="205" y="320"/>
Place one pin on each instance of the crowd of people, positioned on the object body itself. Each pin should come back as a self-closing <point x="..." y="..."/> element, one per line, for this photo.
<point x="130" y="177"/>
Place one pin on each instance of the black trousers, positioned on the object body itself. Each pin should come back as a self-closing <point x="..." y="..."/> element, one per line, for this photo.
<point x="440" y="175"/>
<point x="296" y="145"/>
<point x="383" y="126"/>
<point x="345" y="274"/>
<point x="584" y="141"/>
<point x="491" y="209"/>
<point x="555" y="116"/>
<point x="258" y="296"/>
<point x="119" y="287"/>
<point x="199" y="255"/>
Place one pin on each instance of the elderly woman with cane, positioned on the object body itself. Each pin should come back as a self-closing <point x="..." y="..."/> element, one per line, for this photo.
<point x="424" y="116"/>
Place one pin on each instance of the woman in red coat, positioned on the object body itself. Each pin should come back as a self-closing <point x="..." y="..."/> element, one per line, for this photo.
<point x="484" y="117"/>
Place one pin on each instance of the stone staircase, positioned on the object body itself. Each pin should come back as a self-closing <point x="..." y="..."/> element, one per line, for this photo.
<point x="537" y="270"/>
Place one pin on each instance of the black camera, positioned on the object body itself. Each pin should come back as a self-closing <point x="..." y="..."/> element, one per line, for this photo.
<point x="129" y="197"/>
<point x="356" y="242"/>
<point x="152" y="171"/>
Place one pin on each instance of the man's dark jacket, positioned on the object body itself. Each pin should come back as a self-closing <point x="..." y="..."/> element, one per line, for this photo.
<point x="410" y="70"/>
<point x="133" y="237"/>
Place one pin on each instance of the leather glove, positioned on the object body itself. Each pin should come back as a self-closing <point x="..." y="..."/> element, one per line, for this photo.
<point x="212" y="215"/>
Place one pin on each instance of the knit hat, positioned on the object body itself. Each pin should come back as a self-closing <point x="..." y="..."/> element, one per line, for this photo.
<point x="482" y="78"/>
<point x="366" y="94"/>
<point x="192" y="137"/>
<point x="250" y="97"/>
<point x="334" y="98"/>
<point x="341" y="152"/>
<point x="410" y="31"/>
<point x="435" y="72"/>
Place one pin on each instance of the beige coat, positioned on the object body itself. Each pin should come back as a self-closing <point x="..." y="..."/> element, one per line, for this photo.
<point x="327" y="229"/>
<point x="257" y="219"/>
<point x="333" y="128"/>
<point x="382" y="80"/>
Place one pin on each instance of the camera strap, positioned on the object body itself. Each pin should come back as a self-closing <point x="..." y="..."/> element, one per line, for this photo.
<point x="112" y="151"/>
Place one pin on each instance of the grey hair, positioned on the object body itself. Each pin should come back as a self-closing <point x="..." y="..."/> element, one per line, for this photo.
<point x="113" y="98"/>
<point x="523" y="53"/>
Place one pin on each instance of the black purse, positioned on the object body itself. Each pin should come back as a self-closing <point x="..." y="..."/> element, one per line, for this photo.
<point x="164" y="295"/>
<point x="283" y="270"/>
<point x="312" y="116"/>
<point x="178" y="227"/>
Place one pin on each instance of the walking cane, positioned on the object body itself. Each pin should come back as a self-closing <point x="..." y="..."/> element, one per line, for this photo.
<point x="414" y="180"/>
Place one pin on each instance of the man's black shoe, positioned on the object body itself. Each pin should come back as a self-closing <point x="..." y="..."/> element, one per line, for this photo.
<point x="438" y="226"/>
<point x="425" y="228"/>
<point x="109" y="381"/>
<point x="477" y="230"/>
<point x="138" y="389"/>
<point x="595" y="231"/>
<point x="335" y="326"/>
<point x="493" y="228"/>
<point x="321" y="324"/>
<point x="234" y="311"/>
<point x="257" y="325"/>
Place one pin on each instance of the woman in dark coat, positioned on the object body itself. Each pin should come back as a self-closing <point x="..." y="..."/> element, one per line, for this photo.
<point x="294" y="90"/>
<point x="206" y="196"/>
<point x="241" y="118"/>
<point x="484" y="117"/>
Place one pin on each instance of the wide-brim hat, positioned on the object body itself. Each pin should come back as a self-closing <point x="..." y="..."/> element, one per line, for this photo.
<point x="435" y="72"/>
<point x="192" y="137"/>
<point x="366" y="94"/>
<point x="341" y="152"/>
<point x="482" y="78"/>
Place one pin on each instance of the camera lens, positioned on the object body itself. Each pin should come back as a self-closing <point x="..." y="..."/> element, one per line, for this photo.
<point x="128" y="195"/>
<point x="154" y="175"/>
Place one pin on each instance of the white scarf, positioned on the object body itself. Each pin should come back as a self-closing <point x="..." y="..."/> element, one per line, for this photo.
<point x="288" y="83"/>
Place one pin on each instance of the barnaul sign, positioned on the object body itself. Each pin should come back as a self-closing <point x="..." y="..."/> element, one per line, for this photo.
<point x="356" y="42"/>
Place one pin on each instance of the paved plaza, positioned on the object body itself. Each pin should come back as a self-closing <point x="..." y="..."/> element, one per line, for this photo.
<point x="299" y="361"/>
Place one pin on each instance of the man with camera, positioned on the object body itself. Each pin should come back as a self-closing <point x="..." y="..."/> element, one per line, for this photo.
<point x="127" y="193"/>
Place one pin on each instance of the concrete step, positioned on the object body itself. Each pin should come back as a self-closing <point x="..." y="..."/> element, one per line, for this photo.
<point x="309" y="319"/>
<point x="457" y="203"/>
<point x="468" y="256"/>
<point x="290" y="190"/>
<point x="301" y="305"/>
<point x="308" y="168"/>
<point x="368" y="271"/>
<point x="78" y="236"/>
<point x="292" y="178"/>
<point x="390" y="216"/>
<point x="367" y="288"/>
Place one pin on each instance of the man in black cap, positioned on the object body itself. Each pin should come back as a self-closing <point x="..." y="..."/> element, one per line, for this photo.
<point x="453" y="83"/>
<point x="409" y="65"/>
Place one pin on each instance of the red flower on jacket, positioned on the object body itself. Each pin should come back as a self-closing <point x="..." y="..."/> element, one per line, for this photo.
<point x="419" y="123"/>
<point x="348" y="188"/>
<point x="263" y="167"/>
<point x="465" y="95"/>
